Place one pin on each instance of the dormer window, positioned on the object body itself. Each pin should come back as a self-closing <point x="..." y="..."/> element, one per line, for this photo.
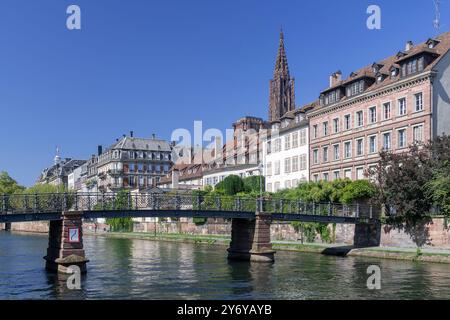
<point x="400" y="54"/>
<point x="355" y="88"/>
<point x="376" y="67"/>
<point x="394" y="71"/>
<point x="431" y="43"/>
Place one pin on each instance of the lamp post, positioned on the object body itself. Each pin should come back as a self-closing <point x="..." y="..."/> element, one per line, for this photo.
<point x="260" y="168"/>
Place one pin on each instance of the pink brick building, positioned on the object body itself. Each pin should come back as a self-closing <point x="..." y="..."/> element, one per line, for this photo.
<point x="386" y="105"/>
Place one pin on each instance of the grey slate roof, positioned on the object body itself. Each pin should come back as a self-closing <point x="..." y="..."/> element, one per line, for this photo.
<point x="132" y="143"/>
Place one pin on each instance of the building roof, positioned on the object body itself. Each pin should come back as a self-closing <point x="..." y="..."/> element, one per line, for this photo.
<point x="132" y="143"/>
<point x="442" y="46"/>
<point x="61" y="169"/>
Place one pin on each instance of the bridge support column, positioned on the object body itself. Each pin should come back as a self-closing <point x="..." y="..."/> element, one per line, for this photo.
<point x="65" y="244"/>
<point x="250" y="239"/>
<point x="7" y="226"/>
<point x="367" y="234"/>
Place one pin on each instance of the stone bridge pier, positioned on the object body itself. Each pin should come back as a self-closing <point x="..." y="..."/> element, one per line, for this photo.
<point x="65" y="244"/>
<point x="250" y="239"/>
<point x="367" y="234"/>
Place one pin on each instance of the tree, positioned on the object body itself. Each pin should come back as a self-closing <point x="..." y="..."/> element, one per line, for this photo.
<point x="400" y="185"/>
<point x="120" y="203"/>
<point x="8" y="185"/>
<point x="231" y="185"/>
<point x="253" y="184"/>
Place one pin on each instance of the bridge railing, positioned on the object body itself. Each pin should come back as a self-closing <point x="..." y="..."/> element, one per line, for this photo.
<point x="58" y="202"/>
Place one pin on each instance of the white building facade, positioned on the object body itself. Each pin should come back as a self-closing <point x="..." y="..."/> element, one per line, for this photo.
<point x="286" y="153"/>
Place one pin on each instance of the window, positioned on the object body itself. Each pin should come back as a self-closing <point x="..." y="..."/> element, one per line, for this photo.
<point x="269" y="147"/>
<point x="336" y="175"/>
<point x="359" y="119"/>
<point x="419" y="102"/>
<point x="269" y="187"/>
<point x="277" y="167"/>
<point x="418" y="133"/>
<point x="325" y="128"/>
<point x="387" y="141"/>
<point x="336" y="152"/>
<point x="294" y="183"/>
<point x="325" y="176"/>
<point x="359" y="173"/>
<point x="315" y="131"/>
<point x="355" y="88"/>
<point x="373" y="114"/>
<point x="303" y="161"/>
<point x="316" y="177"/>
<point x="269" y="169"/>
<point x="277" y="186"/>
<point x="359" y="147"/>
<point x="295" y="140"/>
<point x="372" y="144"/>
<point x="336" y="125"/>
<point x="386" y="110"/>
<point x="402" y="106"/>
<point x="277" y="145"/>
<point x="287" y="184"/>
<point x="348" y="173"/>
<point x="302" y="137"/>
<point x="295" y="164"/>
<point x="347" y="149"/>
<point x="315" y="156"/>
<point x="347" y="122"/>
<point x="325" y="154"/>
<point x="287" y="142"/>
<point x="401" y="138"/>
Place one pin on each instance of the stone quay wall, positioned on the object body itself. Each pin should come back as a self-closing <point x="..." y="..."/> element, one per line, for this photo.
<point x="437" y="233"/>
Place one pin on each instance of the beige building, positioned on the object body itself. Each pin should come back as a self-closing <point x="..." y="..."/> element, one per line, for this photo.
<point x="388" y="105"/>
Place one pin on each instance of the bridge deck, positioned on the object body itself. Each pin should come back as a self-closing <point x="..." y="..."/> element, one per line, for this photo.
<point x="41" y="207"/>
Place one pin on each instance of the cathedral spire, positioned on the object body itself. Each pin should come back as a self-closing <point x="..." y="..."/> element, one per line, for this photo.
<point x="281" y="65"/>
<point x="281" y="96"/>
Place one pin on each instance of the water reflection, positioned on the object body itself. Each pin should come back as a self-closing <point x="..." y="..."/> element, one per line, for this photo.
<point x="141" y="269"/>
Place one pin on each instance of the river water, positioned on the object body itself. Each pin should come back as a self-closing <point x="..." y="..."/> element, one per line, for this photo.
<point x="144" y="269"/>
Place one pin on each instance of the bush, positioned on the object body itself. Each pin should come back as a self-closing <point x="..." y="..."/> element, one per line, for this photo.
<point x="231" y="185"/>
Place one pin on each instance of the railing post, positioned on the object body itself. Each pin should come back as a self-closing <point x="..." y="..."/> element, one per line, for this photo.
<point x="357" y="210"/>
<point x="76" y="201"/>
<point x="152" y="200"/>
<point x="314" y="208"/>
<point x="218" y="203"/>
<point x="136" y="201"/>
<point x="89" y="202"/>
<point x="35" y="204"/>
<point x="330" y="211"/>
<point x="177" y="202"/>
<point x="298" y="207"/>
<point x="103" y="201"/>
<point x="198" y="202"/>
<point x="65" y="202"/>
<point x="129" y="201"/>
<point x="281" y="205"/>
<point x="370" y="210"/>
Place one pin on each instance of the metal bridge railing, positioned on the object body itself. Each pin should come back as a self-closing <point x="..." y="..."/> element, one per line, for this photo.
<point x="58" y="202"/>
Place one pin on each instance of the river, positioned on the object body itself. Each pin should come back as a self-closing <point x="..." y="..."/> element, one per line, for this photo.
<point x="144" y="269"/>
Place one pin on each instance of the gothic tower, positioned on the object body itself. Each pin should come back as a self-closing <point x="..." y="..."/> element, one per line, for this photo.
<point x="281" y="95"/>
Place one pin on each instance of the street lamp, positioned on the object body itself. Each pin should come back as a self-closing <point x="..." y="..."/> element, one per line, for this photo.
<point x="260" y="168"/>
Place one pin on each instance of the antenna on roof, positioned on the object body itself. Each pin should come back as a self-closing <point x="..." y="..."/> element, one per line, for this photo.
<point x="437" y="21"/>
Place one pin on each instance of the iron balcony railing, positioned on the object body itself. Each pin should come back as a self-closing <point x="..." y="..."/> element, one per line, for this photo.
<point x="59" y="202"/>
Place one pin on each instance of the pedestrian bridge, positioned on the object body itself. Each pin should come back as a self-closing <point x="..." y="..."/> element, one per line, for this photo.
<point x="250" y="218"/>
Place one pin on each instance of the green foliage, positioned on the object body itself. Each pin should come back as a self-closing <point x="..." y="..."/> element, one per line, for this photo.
<point x="46" y="188"/>
<point x="120" y="202"/>
<point x="231" y="185"/>
<point x="252" y="184"/>
<point x="309" y="230"/>
<point x="199" y="221"/>
<point x="357" y="190"/>
<point x="438" y="190"/>
<point x="8" y="185"/>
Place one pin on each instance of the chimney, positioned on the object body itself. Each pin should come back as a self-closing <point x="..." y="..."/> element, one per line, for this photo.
<point x="153" y="136"/>
<point x="99" y="150"/>
<point x="335" y="78"/>
<point x="409" y="45"/>
<point x="175" y="178"/>
<point x="131" y="134"/>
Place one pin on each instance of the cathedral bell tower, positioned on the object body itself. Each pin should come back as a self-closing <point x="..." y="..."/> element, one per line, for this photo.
<point x="281" y="95"/>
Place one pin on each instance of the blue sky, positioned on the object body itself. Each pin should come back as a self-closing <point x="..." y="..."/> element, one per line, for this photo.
<point x="154" y="66"/>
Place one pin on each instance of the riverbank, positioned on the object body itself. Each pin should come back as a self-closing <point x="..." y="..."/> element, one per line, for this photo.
<point x="396" y="253"/>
